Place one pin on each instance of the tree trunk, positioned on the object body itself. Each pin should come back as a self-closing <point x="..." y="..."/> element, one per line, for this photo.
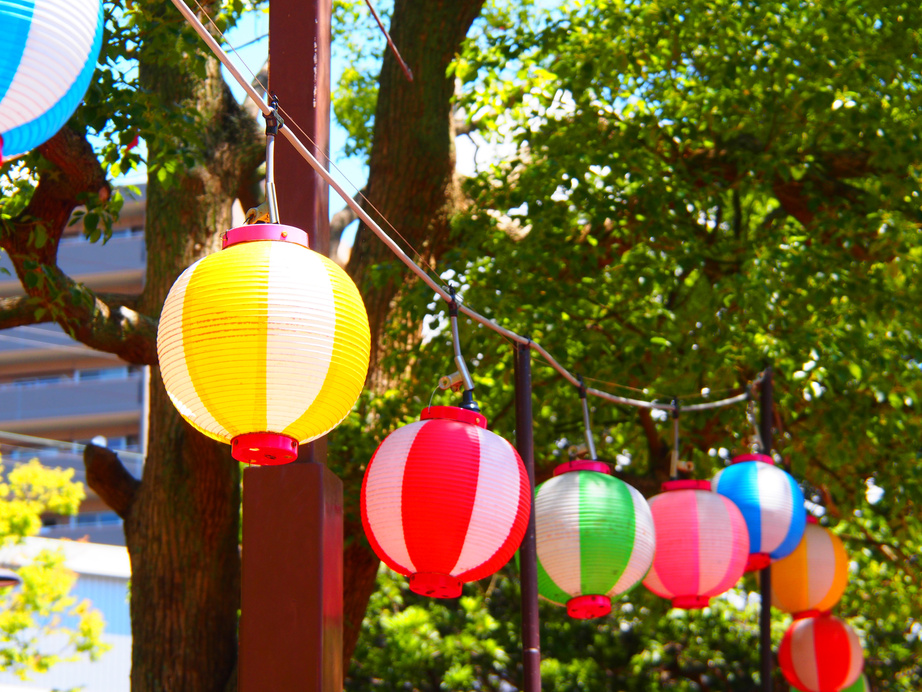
<point x="182" y="530"/>
<point x="412" y="182"/>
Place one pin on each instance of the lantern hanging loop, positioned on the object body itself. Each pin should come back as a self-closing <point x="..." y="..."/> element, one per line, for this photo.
<point x="463" y="375"/>
<point x="590" y="443"/>
<point x="674" y="466"/>
<point x="753" y="420"/>
<point x="273" y="123"/>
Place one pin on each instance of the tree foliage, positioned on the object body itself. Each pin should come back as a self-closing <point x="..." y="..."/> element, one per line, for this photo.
<point x="695" y="191"/>
<point x="41" y="624"/>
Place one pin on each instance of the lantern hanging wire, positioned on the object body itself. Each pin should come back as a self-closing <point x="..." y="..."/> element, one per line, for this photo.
<point x="376" y="228"/>
<point x="754" y="422"/>
<point x="273" y="123"/>
<point x="587" y="430"/>
<point x="674" y="464"/>
<point x="461" y="377"/>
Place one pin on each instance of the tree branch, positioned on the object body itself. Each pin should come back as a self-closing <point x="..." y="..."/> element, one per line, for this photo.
<point x="109" y="479"/>
<point x="92" y="319"/>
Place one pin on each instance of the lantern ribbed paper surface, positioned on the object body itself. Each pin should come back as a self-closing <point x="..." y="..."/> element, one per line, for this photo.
<point x="812" y="579"/>
<point x="701" y="544"/>
<point x="595" y="538"/>
<point x="771" y="503"/>
<point x="48" y="53"/>
<point x="820" y="654"/>
<point x="264" y="344"/>
<point x="445" y="501"/>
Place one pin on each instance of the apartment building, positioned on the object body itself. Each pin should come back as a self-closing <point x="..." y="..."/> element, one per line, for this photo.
<point x="57" y="394"/>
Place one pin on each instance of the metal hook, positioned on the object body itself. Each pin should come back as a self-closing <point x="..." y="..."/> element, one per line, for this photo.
<point x="590" y="443"/>
<point x="674" y="466"/>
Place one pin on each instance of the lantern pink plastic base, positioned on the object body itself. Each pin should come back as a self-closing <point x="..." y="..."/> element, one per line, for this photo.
<point x="454" y="413"/>
<point x="686" y="485"/>
<point x="583" y="465"/>
<point x="588" y="607"/>
<point x="265" y="449"/>
<point x="764" y="458"/>
<point x="690" y="602"/>
<point x="758" y="561"/>
<point x="264" y="231"/>
<point x="812" y="613"/>
<point x="435" y="585"/>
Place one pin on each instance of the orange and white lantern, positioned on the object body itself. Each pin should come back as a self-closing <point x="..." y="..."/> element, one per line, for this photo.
<point x="265" y="344"/>
<point x="812" y="579"/>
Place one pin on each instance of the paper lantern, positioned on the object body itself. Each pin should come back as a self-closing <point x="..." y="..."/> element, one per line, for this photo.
<point x="595" y="538"/>
<point x="820" y="654"/>
<point x="860" y="685"/>
<point x="811" y="579"/>
<point x="771" y="503"/>
<point x="265" y="344"/>
<point x="701" y="544"/>
<point x="47" y="56"/>
<point x="445" y="501"/>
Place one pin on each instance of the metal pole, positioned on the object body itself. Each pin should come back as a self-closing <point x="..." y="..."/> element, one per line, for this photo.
<point x="766" y="415"/>
<point x="528" y="553"/>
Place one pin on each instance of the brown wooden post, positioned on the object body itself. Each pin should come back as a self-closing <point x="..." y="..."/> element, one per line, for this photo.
<point x="291" y="623"/>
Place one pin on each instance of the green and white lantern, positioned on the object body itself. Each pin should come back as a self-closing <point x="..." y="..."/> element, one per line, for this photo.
<point x="595" y="538"/>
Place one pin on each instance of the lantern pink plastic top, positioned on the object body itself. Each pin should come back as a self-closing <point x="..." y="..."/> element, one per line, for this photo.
<point x="686" y="485"/>
<point x="454" y="413"/>
<point x="812" y="519"/>
<point x="764" y="458"/>
<point x="264" y="231"/>
<point x="582" y="465"/>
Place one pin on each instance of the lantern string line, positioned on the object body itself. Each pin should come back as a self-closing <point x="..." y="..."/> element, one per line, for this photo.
<point x="444" y="294"/>
<point x="390" y="42"/>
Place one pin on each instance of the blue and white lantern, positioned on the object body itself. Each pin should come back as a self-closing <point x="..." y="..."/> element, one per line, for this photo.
<point x="771" y="502"/>
<point x="48" y="52"/>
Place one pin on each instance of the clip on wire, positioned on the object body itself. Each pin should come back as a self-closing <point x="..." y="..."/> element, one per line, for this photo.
<point x="461" y="378"/>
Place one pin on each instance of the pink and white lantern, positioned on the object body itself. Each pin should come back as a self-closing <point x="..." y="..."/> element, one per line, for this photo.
<point x="702" y="544"/>
<point x="445" y="501"/>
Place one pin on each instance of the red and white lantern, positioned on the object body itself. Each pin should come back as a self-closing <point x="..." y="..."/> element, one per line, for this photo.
<point x="821" y="654"/>
<point x="445" y="501"/>
<point x="702" y="544"/>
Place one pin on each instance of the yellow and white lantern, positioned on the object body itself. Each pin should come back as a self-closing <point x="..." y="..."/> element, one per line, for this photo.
<point x="265" y="344"/>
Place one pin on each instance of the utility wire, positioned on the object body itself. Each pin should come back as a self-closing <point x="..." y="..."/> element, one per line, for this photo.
<point x="321" y="170"/>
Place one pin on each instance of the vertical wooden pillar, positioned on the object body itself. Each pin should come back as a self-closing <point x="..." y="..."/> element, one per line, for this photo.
<point x="291" y="622"/>
<point x="292" y="576"/>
